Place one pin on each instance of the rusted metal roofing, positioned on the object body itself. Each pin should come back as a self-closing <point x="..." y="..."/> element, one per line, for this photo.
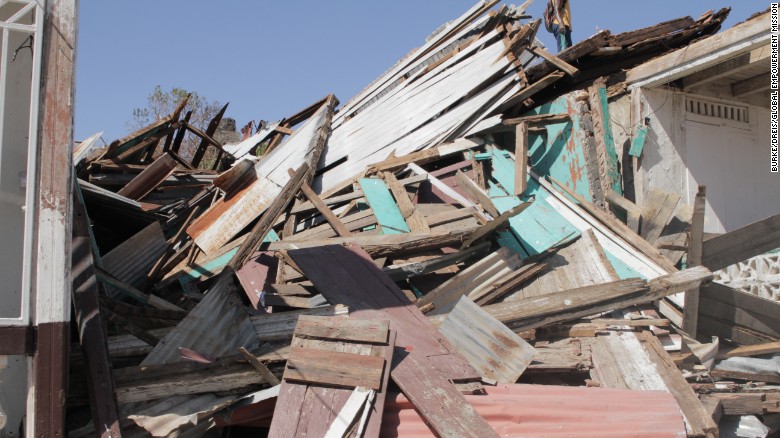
<point x="555" y="411"/>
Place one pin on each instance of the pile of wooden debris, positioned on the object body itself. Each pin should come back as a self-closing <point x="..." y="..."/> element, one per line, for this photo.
<point x="411" y="241"/>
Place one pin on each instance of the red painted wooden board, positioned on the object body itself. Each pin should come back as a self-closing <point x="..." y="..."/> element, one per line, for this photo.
<point x="348" y="276"/>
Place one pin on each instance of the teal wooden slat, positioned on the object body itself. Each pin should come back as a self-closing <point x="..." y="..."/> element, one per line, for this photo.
<point x="387" y="213"/>
<point x="537" y="228"/>
<point x="623" y="270"/>
<point x="196" y="271"/>
<point x="609" y="139"/>
<point x="639" y="142"/>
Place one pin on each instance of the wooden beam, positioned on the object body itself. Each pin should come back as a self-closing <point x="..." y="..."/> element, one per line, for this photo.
<point x="742" y="243"/>
<point x="148" y="180"/>
<point x="269" y="217"/>
<point x="206" y="137"/>
<point x="494" y="225"/>
<point x="476" y="193"/>
<point x="521" y="158"/>
<point x="755" y="84"/>
<point x="726" y="68"/>
<point x="260" y="367"/>
<point x="558" y="62"/>
<point x="538" y="119"/>
<point x="415" y="219"/>
<point x="428" y="362"/>
<point x="755" y="350"/>
<point x="632" y="211"/>
<point x="701" y="54"/>
<point x="326" y="212"/>
<point x="532" y="89"/>
<point x="92" y="337"/>
<point x="691" y="309"/>
<point x="533" y="312"/>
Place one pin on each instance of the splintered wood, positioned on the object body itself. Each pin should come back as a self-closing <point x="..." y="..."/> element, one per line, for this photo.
<point x="461" y="222"/>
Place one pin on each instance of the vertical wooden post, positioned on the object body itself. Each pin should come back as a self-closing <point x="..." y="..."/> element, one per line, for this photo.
<point x="210" y="131"/>
<point x="521" y="158"/>
<point x="52" y="243"/>
<point x="691" y="311"/>
<point x="86" y="305"/>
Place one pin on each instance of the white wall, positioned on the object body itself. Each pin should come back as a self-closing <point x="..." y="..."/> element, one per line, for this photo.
<point x="731" y="159"/>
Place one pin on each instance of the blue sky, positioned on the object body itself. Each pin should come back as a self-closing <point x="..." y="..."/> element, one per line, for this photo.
<point x="271" y="59"/>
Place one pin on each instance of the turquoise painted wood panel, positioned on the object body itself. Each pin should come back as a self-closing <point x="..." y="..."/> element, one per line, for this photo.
<point x="623" y="271"/>
<point x="218" y="263"/>
<point x="381" y="201"/>
<point x="609" y="139"/>
<point x="639" y="142"/>
<point x="560" y="153"/>
<point x="538" y="227"/>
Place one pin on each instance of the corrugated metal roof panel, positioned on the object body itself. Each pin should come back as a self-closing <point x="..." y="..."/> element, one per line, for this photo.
<point x="555" y="411"/>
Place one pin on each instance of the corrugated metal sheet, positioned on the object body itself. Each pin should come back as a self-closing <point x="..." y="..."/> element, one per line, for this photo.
<point x="555" y="411"/>
<point x="133" y="259"/>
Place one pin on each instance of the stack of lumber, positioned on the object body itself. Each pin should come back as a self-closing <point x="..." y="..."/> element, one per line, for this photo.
<point x="409" y="241"/>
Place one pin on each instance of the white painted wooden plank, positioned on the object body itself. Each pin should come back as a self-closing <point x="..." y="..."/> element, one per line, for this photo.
<point x="447" y="190"/>
<point x="354" y="406"/>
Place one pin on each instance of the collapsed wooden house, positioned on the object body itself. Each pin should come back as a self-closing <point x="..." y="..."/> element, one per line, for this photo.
<point x="464" y="237"/>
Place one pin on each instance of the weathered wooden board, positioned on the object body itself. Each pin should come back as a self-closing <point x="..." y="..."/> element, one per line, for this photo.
<point x="742" y="244"/>
<point x="424" y="359"/>
<point x="332" y="368"/>
<point x="384" y="207"/>
<point x="345" y="329"/>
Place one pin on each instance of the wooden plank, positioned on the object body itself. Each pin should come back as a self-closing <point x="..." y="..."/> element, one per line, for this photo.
<point x="620" y="229"/>
<point x="150" y="178"/>
<point x="521" y="159"/>
<point x="609" y="175"/>
<point x="749" y="377"/>
<point x="741" y="244"/>
<point x="398" y="273"/>
<point x="533" y="312"/>
<point x="638" y="144"/>
<point x="691" y="309"/>
<point x="495" y="224"/>
<point x="414" y="218"/>
<point x="428" y="155"/>
<point x="489" y="346"/>
<point x="531" y="90"/>
<point x="349" y="413"/>
<point x="332" y="219"/>
<point x="447" y="190"/>
<point x="476" y="193"/>
<point x="269" y="217"/>
<point x="344" y="329"/>
<point x="755" y="84"/>
<point x="384" y="207"/>
<point x="755" y="350"/>
<point x="479" y="276"/>
<point x="696" y="416"/>
<point x="556" y="61"/>
<point x="210" y="131"/>
<point x="701" y="54"/>
<point x="507" y="285"/>
<point x="92" y="337"/>
<point x="332" y="368"/>
<point x="657" y="212"/>
<point x="348" y="276"/>
<point x="260" y="367"/>
<point x="633" y="212"/>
